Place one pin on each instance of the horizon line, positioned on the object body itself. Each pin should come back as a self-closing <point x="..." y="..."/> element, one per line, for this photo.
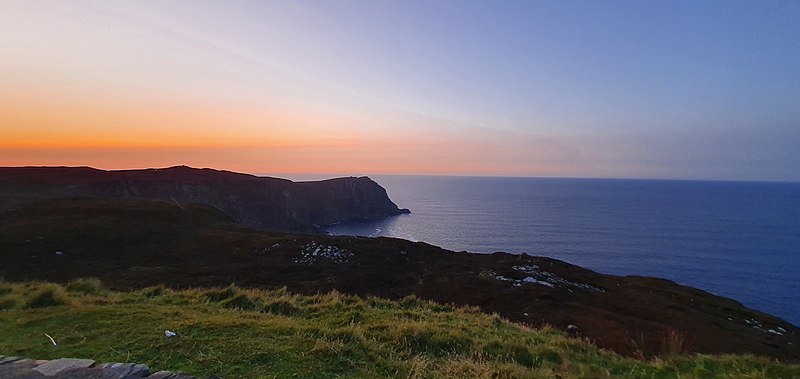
<point x="331" y="175"/>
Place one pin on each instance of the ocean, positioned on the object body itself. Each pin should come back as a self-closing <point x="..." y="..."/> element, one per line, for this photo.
<point x="735" y="239"/>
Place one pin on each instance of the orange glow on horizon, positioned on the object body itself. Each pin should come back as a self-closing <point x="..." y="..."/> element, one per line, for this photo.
<point x="65" y="126"/>
<point x="57" y="126"/>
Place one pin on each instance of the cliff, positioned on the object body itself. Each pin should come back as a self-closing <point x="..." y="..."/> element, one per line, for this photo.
<point x="266" y="203"/>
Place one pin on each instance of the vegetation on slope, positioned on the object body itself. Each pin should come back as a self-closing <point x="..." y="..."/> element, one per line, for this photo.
<point x="234" y="332"/>
<point x="132" y="244"/>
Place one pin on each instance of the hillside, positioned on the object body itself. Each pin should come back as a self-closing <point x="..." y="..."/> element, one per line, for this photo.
<point x="133" y="244"/>
<point x="237" y="333"/>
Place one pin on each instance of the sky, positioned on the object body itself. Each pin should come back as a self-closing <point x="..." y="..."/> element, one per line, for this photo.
<point x="630" y="89"/>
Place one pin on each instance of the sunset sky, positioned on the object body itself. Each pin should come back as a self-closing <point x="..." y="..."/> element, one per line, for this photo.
<point x="635" y="89"/>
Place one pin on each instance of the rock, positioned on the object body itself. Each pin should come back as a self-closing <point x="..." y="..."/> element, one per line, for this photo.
<point x="60" y="365"/>
<point x="162" y="375"/>
<point x="572" y="330"/>
<point x="20" y="369"/>
<point x="139" y="371"/>
<point x="127" y="370"/>
<point x="4" y="360"/>
<point x="68" y="368"/>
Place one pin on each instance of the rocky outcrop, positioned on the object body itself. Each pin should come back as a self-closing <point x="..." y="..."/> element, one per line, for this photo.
<point x="266" y="203"/>
<point x="71" y="368"/>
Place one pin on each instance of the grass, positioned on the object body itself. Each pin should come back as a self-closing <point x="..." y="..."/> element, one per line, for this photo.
<point x="245" y="333"/>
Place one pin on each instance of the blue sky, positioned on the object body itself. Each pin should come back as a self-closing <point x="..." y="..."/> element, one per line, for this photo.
<point x="656" y="89"/>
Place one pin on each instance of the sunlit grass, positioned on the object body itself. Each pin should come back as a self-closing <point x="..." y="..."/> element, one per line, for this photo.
<point x="234" y="332"/>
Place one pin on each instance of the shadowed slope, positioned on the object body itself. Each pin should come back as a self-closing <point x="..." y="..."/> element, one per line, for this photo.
<point x="131" y="244"/>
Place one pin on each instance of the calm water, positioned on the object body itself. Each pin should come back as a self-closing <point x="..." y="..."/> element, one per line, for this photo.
<point x="736" y="239"/>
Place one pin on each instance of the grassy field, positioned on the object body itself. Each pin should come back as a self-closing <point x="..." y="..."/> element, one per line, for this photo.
<point x="244" y="333"/>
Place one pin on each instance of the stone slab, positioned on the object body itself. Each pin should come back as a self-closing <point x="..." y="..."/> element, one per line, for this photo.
<point x="60" y="365"/>
<point x="162" y="375"/>
<point x="69" y="368"/>
<point x="12" y="370"/>
<point x="5" y="360"/>
<point x="127" y="370"/>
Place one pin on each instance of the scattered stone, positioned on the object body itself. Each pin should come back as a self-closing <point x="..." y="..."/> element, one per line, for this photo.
<point x="530" y="279"/>
<point x="314" y="253"/>
<point x="552" y="280"/>
<point x="265" y="250"/>
<point x="59" y="365"/>
<point x="572" y="330"/>
<point x="757" y="325"/>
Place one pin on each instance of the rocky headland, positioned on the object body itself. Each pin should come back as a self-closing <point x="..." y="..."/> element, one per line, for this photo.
<point x="261" y="202"/>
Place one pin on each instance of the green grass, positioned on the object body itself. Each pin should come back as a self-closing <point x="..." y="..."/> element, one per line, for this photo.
<point x="243" y="333"/>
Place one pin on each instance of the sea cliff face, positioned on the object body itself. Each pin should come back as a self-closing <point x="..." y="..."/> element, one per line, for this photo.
<point x="266" y="203"/>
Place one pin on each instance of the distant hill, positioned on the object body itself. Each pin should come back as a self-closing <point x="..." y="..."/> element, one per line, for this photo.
<point x="262" y="202"/>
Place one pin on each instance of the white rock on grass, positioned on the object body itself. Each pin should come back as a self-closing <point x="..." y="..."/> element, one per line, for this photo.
<point x="532" y="280"/>
<point x="316" y="253"/>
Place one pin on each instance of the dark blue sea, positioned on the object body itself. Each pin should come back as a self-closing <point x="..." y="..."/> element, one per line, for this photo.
<point x="735" y="239"/>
